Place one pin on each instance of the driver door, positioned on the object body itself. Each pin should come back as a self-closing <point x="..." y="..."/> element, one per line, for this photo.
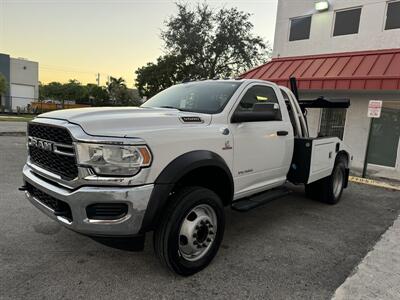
<point x="262" y="149"/>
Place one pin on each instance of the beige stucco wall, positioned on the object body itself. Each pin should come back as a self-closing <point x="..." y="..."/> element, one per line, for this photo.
<point x="371" y="36"/>
<point x="357" y="122"/>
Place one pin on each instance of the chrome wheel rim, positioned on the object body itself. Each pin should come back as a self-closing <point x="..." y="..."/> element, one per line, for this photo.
<point x="197" y="232"/>
<point x="337" y="182"/>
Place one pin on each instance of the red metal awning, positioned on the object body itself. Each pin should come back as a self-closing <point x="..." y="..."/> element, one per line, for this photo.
<point x="367" y="70"/>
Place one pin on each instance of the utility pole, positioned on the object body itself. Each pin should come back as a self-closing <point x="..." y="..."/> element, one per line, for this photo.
<point x="98" y="79"/>
<point x="364" y="171"/>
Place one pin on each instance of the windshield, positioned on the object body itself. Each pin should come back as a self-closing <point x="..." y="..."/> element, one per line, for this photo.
<point x="209" y="97"/>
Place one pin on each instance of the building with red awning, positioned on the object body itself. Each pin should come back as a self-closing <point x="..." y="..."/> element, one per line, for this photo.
<point x="344" y="49"/>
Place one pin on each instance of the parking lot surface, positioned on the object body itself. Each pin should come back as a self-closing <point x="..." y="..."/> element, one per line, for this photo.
<point x="12" y="127"/>
<point x="291" y="248"/>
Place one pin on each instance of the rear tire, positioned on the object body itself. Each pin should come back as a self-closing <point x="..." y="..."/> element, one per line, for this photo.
<point x="329" y="189"/>
<point x="191" y="230"/>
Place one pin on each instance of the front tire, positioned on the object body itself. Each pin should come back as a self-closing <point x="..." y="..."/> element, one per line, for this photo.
<point x="329" y="189"/>
<point x="191" y="230"/>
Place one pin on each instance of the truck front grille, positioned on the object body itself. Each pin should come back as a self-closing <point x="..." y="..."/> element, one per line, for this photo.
<point x="61" y="164"/>
<point x="51" y="133"/>
<point x="59" y="207"/>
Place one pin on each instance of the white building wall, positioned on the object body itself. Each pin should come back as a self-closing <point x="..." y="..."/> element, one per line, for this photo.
<point x="25" y="72"/>
<point x="24" y="82"/>
<point x="371" y="35"/>
<point x="357" y="122"/>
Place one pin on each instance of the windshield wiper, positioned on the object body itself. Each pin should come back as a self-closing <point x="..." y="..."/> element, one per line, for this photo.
<point x="171" y="107"/>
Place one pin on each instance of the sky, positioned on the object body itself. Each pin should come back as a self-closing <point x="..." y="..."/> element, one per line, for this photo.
<point x="76" y="39"/>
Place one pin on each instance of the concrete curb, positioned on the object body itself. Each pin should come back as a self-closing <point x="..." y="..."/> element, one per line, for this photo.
<point x="18" y="133"/>
<point x="378" y="274"/>
<point x="372" y="182"/>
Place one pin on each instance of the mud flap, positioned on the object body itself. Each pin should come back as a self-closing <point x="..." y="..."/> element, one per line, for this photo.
<point x="346" y="178"/>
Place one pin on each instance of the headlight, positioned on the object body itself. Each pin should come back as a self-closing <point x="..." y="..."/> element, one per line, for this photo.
<point x="117" y="160"/>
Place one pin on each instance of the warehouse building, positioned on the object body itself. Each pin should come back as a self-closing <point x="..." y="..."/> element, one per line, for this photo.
<point x="22" y="77"/>
<point x="344" y="49"/>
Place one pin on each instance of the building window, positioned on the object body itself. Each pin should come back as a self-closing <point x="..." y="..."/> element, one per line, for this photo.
<point x="300" y="28"/>
<point x="393" y="15"/>
<point x="332" y="122"/>
<point x="347" y="22"/>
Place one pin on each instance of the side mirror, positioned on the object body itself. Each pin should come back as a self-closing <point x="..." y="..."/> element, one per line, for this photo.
<point x="260" y="113"/>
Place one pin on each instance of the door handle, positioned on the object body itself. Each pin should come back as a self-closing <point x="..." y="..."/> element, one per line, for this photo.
<point x="282" y="133"/>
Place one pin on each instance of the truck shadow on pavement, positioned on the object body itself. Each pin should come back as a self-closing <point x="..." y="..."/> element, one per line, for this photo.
<point x="300" y="239"/>
<point x="134" y="244"/>
<point x="293" y="247"/>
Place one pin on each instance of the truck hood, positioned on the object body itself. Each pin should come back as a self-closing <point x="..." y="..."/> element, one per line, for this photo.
<point x="127" y="121"/>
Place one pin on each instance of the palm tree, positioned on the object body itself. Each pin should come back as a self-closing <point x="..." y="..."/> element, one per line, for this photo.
<point x="114" y="86"/>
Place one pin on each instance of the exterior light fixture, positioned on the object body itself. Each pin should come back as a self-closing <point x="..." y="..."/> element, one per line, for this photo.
<point x="321" y="5"/>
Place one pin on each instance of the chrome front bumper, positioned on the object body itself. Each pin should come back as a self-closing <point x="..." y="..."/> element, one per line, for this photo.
<point x="136" y="198"/>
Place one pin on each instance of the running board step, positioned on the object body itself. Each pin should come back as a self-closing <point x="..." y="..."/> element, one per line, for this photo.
<point x="249" y="203"/>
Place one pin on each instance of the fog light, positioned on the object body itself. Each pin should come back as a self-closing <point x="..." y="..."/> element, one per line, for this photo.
<point x="321" y="5"/>
<point x="106" y="211"/>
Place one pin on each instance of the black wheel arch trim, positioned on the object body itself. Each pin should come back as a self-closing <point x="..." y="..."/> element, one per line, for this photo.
<point x="172" y="173"/>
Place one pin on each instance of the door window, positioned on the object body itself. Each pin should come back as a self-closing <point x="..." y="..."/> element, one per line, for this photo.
<point x="258" y="98"/>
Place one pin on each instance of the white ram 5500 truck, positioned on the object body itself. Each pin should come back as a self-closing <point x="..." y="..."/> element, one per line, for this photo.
<point x="173" y="164"/>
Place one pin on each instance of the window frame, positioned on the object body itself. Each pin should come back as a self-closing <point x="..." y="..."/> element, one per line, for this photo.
<point x="290" y="112"/>
<point x="290" y="27"/>
<point x="244" y="92"/>
<point x="386" y="13"/>
<point x="342" y="10"/>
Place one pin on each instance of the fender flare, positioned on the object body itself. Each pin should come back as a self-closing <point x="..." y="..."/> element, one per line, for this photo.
<point x="171" y="175"/>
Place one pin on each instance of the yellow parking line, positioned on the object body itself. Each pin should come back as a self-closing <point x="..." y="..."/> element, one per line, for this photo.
<point x="373" y="183"/>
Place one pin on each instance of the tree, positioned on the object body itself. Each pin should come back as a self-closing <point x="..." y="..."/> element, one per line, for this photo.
<point x="97" y="95"/>
<point x="73" y="90"/>
<point x="3" y="85"/>
<point x="155" y="77"/>
<point x="115" y="86"/>
<point x="206" y="44"/>
<point x="93" y="94"/>
<point x="120" y="94"/>
<point x="3" y="90"/>
<point x="53" y="90"/>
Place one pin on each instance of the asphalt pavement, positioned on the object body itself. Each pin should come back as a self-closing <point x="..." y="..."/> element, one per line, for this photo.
<point x="293" y="248"/>
<point x="12" y="128"/>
